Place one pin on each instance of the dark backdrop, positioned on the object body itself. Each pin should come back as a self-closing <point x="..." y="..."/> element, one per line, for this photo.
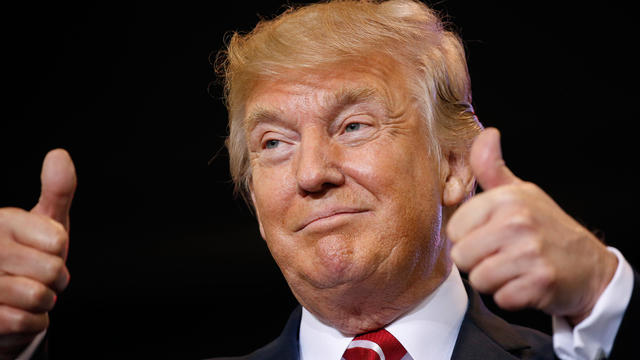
<point x="164" y="262"/>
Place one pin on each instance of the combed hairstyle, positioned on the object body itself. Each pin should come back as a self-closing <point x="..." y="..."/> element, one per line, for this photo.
<point x="325" y="35"/>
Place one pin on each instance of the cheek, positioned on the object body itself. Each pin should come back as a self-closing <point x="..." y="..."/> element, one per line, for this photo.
<point x="272" y="194"/>
<point x="406" y="183"/>
<point x="395" y="172"/>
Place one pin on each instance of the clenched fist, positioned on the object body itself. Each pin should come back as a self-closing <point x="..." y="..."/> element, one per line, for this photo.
<point x="33" y="250"/>
<point x="519" y="245"/>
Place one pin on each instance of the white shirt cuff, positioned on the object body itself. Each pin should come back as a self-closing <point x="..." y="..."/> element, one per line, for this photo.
<point x="593" y="337"/>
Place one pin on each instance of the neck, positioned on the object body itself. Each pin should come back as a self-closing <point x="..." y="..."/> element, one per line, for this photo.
<point x="370" y="304"/>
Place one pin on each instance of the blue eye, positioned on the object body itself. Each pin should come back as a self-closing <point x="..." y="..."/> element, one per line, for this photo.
<point x="353" y="127"/>
<point x="271" y="144"/>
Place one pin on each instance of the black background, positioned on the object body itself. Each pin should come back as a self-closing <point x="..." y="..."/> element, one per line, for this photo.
<point x="164" y="262"/>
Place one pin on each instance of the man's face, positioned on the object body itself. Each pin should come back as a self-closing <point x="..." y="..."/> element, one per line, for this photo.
<point x="346" y="191"/>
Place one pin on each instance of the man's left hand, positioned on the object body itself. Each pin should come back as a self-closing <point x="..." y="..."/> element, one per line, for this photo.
<point x="518" y="244"/>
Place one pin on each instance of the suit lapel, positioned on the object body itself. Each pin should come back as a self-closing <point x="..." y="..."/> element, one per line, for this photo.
<point x="484" y="335"/>
<point x="286" y="346"/>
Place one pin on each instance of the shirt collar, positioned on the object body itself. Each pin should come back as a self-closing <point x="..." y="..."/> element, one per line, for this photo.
<point x="429" y="331"/>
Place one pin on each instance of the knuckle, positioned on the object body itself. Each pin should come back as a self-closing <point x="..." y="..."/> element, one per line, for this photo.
<point x="530" y="247"/>
<point x="451" y="232"/>
<point x="511" y="298"/>
<point x="9" y="289"/>
<point x="462" y="259"/>
<point x="38" y="297"/>
<point x="529" y="187"/>
<point x="14" y="321"/>
<point x="518" y="193"/>
<point x="507" y="196"/>
<point x="25" y="322"/>
<point x="19" y="322"/>
<point x="456" y="255"/>
<point x="478" y="280"/>
<point x="545" y="277"/>
<point x="62" y="281"/>
<point x="54" y="268"/>
<point x="65" y="281"/>
<point x="512" y="194"/>
<point x="522" y="220"/>
<point x="507" y="300"/>
<point x="59" y="239"/>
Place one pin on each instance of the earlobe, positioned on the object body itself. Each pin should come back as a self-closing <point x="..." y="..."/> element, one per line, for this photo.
<point x="453" y="193"/>
<point x="459" y="180"/>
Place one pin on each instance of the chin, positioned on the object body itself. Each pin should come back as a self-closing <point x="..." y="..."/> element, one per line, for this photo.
<point x="342" y="259"/>
<point x="335" y="276"/>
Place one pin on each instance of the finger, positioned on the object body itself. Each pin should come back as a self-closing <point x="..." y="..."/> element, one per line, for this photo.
<point x="522" y="292"/>
<point x="479" y="244"/>
<point x="26" y="294"/>
<point x="487" y="163"/>
<point x="58" y="180"/>
<point x="493" y="272"/>
<point x="17" y="259"/>
<point x="16" y="321"/>
<point x="36" y="231"/>
<point x="501" y="203"/>
<point x="469" y="216"/>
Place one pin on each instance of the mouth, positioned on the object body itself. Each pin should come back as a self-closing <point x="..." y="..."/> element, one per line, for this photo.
<point x="328" y="218"/>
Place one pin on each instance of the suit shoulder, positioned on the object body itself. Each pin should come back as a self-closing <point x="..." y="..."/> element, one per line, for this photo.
<point x="284" y="347"/>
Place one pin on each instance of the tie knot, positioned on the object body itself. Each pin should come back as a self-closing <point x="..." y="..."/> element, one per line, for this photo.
<point x="376" y="345"/>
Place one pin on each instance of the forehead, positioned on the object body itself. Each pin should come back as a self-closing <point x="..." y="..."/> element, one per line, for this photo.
<point x="325" y="90"/>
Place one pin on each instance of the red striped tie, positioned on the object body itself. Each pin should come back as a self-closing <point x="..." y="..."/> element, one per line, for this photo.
<point x="377" y="345"/>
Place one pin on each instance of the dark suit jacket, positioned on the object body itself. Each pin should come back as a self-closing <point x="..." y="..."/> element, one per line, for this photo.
<point x="483" y="335"/>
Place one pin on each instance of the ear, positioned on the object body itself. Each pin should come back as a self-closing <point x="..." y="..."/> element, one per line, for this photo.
<point x="458" y="178"/>
<point x="255" y="207"/>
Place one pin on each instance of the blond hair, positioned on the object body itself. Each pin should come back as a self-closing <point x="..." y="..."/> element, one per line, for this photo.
<point x="323" y="35"/>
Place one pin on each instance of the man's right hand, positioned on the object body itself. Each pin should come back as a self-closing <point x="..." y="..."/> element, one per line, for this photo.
<point x="33" y="251"/>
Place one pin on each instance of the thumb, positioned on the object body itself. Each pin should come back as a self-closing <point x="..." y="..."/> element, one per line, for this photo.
<point x="487" y="163"/>
<point x="58" y="180"/>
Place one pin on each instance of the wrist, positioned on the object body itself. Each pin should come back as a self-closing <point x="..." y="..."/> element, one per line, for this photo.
<point x="603" y="273"/>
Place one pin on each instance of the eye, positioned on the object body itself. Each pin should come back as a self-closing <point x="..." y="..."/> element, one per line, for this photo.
<point x="271" y="144"/>
<point x="353" y="127"/>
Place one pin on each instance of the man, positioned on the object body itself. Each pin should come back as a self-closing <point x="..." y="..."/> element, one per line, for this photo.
<point x="351" y="132"/>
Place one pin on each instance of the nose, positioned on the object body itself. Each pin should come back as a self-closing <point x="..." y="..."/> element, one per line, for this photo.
<point x="318" y="164"/>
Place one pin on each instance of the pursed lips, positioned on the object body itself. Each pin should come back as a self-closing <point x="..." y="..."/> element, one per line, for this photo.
<point x="328" y="213"/>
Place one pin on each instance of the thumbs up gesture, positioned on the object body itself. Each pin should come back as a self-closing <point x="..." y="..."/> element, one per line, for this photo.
<point x="516" y="243"/>
<point x="33" y="250"/>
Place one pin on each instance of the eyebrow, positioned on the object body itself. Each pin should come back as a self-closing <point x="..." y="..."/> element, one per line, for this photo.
<point x="350" y="96"/>
<point x="260" y="114"/>
<point x="337" y="101"/>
